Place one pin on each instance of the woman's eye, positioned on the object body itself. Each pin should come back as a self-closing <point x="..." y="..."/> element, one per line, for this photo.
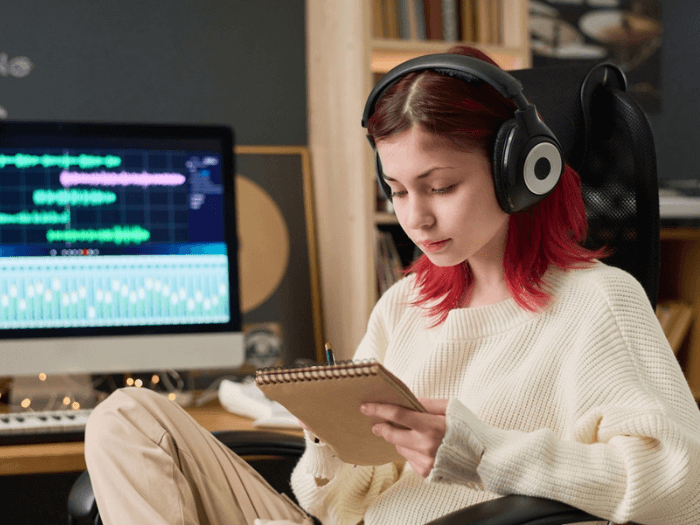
<point x="448" y="189"/>
<point x="395" y="194"/>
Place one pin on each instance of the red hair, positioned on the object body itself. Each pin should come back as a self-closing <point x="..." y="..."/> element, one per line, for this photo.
<point x="468" y="115"/>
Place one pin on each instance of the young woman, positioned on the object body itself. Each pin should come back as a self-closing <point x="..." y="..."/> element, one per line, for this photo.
<point x="543" y="371"/>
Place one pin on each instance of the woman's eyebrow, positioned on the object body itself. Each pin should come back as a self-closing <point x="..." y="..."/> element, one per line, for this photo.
<point x="422" y="175"/>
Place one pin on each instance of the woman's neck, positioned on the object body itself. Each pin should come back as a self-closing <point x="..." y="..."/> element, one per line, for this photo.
<point x="488" y="277"/>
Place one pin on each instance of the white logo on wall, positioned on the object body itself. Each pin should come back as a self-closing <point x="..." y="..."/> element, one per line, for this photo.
<point x="18" y="67"/>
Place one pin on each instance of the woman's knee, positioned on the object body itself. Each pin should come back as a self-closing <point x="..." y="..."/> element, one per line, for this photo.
<point x="125" y="410"/>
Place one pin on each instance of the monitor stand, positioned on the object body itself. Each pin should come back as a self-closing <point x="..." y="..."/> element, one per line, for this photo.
<point x="52" y="392"/>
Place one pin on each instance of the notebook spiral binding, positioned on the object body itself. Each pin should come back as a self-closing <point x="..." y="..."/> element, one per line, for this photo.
<point x="339" y="370"/>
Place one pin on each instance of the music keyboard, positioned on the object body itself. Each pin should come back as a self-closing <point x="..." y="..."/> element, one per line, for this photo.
<point x="18" y="428"/>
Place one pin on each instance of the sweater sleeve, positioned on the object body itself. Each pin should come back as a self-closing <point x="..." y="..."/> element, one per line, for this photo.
<point x="325" y="486"/>
<point x="633" y="450"/>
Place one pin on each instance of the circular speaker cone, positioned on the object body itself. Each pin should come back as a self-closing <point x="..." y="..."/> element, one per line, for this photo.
<point x="264" y="245"/>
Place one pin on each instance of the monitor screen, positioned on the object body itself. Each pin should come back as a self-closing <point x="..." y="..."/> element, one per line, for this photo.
<point x="118" y="248"/>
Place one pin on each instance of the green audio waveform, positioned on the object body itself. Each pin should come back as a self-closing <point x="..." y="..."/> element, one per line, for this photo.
<point x="35" y="217"/>
<point x="116" y="235"/>
<point x="73" y="197"/>
<point x="23" y="160"/>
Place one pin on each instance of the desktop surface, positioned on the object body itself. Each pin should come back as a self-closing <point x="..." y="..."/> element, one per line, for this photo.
<point x="69" y="457"/>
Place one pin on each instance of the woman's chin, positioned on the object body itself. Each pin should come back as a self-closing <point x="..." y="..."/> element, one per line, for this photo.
<point x="442" y="260"/>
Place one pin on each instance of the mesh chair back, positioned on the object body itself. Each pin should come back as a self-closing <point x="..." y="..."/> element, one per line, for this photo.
<point x="607" y="138"/>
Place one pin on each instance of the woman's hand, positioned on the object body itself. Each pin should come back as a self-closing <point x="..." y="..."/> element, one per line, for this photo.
<point x="421" y="435"/>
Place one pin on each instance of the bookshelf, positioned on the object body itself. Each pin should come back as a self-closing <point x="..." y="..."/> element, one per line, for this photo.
<point x="346" y="52"/>
<point x="679" y="281"/>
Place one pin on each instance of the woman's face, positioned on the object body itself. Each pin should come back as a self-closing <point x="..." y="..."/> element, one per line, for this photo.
<point x="444" y="197"/>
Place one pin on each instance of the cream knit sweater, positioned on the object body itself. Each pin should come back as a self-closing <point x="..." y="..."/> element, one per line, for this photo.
<point x="583" y="402"/>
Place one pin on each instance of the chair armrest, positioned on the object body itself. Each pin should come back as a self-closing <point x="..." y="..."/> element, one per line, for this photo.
<point x="81" y="500"/>
<point x="508" y="510"/>
<point x="516" y="510"/>
<point x="261" y="443"/>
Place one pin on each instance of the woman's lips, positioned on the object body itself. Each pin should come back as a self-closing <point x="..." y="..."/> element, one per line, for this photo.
<point x="435" y="246"/>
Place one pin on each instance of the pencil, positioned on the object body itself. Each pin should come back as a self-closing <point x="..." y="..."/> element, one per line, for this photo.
<point x="330" y="358"/>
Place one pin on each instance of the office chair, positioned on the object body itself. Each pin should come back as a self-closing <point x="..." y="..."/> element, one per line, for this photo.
<point x="606" y="137"/>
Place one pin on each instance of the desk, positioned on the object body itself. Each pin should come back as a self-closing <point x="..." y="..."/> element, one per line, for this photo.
<point x="68" y="457"/>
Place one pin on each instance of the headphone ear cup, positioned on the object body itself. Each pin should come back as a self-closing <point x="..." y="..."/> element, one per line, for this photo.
<point x="525" y="169"/>
<point x="500" y="164"/>
<point x="542" y="167"/>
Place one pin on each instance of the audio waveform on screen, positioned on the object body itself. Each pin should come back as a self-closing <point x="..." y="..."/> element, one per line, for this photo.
<point x="115" y="235"/>
<point x="73" y="197"/>
<point x="124" y="178"/>
<point x="24" y="160"/>
<point x="35" y="217"/>
<point x="113" y="291"/>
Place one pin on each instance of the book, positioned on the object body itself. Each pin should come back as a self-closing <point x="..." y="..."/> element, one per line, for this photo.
<point x="468" y="20"/>
<point x="450" y="20"/>
<point x="391" y="14"/>
<point x="327" y="399"/>
<point x="406" y="31"/>
<point x="416" y="11"/>
<point x="387" y="260"/>
<point x="483" y="23"/>
<point x="495" y="21"/>
<point x="432" y="11"/>
<point x="378" y="29"/>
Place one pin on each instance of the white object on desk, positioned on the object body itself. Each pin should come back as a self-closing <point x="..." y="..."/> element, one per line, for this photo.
<point x="675" y="206"/>
<point x="246" y="399"/>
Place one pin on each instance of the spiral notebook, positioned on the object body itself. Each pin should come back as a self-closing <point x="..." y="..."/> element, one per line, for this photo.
<point x="327" y="399"/>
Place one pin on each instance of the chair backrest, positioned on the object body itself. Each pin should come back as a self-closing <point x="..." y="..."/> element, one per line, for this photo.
<point x="607" y="138"/>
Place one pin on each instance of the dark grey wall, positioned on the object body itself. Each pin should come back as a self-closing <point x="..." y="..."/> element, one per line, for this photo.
<point x="677" y="127"/>
<point x="236" y="62"/>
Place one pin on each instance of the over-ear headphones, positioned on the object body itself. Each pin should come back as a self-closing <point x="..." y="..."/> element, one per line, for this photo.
<point x="526" y="156"/>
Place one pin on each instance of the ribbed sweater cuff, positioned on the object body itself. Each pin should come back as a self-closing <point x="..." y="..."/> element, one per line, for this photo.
<point x="459" y="456"/>
<point x="321" y="461"/>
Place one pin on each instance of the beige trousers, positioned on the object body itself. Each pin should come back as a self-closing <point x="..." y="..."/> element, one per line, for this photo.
<point x="151" y="463"/>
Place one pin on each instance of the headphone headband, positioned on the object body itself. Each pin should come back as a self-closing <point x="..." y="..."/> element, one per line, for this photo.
<point x="527" y="161"/>
<point x="468" y="69"/>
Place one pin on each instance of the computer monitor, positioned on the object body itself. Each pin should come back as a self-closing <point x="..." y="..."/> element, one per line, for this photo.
<point x="118" y="248"/>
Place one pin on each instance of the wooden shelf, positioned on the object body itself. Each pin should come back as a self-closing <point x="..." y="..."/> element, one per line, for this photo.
<point x="680" y="234"/>
<point x="343" y="59"/>
<point x="679" y="280"/>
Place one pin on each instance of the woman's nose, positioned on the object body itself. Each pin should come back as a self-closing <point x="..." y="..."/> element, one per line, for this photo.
<point x="419" y="214"/>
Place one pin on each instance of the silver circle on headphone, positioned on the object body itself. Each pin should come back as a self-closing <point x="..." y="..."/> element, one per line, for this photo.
<point x="537" y="185"/>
